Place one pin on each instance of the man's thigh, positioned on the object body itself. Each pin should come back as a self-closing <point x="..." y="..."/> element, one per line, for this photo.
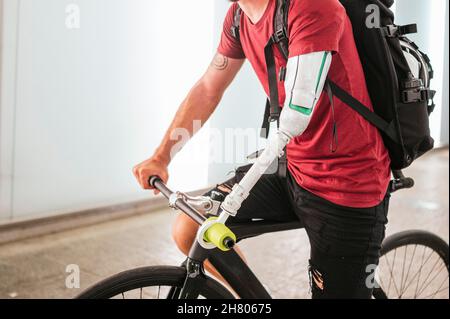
<point x="345" y="245"/>
<point x="270" y="199"/>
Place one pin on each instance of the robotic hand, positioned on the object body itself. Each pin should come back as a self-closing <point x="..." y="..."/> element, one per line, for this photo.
<point x="305" y="80"/>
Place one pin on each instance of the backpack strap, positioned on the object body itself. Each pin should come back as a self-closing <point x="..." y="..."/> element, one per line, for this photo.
<point x="393" y="30"/>
<point x="265" y="126"/>
<point x="280" y="27"/>
<point x="373" y="118"/>
<point x="236" y="24"/>
<point x="280" y="38"/>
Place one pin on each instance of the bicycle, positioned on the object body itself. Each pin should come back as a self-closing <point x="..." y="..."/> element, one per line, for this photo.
<point x="189" y="281"/>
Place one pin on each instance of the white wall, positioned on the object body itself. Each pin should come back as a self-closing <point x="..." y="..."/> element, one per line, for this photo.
<point x="242" y="108"/>
<point x="81" y="106"/>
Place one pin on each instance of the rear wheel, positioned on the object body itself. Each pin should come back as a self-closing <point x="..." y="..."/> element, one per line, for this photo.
<point x="413" y="265"/>
<point x="157" y="282"/>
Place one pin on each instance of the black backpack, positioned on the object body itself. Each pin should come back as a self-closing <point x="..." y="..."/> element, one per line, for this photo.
<point x="402" y="101"/>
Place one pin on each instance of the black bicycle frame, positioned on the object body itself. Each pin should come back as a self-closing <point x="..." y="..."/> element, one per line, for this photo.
<point x="229" y="264"/>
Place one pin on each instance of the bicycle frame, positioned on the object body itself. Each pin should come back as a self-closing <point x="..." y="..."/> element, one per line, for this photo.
<point x="229" y="264"/>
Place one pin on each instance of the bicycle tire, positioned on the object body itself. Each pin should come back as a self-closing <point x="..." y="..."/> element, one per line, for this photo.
<point x="413" y="237"/>
<point x="151" y="276"/>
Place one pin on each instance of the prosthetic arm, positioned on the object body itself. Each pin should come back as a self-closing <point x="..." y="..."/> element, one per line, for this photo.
<point x="305" y="79"/>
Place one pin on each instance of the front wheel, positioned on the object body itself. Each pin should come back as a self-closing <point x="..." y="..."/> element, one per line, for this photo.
<point x="155" y="282"/>
<point x="413" y="265"/>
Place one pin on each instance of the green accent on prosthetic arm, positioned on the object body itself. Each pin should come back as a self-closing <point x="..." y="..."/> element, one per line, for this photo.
<point x="217" y="233"/>
<point x="305" y="110"/>
<point x="324" y="59"/>
<point x="301" y="109"/>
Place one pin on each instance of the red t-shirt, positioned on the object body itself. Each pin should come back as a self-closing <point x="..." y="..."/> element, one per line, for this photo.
<point x="357" y="174"/>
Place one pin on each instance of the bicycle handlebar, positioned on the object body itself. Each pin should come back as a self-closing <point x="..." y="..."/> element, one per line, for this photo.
<point x="156" y="182"/>
<point x="217" y="234"/>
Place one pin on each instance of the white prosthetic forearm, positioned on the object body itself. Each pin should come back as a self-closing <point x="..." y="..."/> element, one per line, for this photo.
<point x="305" y="79"/>
<point x="240" y="192"/>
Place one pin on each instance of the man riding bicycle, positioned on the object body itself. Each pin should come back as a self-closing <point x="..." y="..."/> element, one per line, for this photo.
<point x="338" y="169"/>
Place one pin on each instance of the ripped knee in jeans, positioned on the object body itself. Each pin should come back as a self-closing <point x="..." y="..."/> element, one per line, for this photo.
<point x="316" y="279"/>
<point x="224" y="188"/>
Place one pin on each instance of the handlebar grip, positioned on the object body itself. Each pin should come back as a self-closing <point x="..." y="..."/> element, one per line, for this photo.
<point x="157" y="183"/>
<point x="403" y="183"/>
<point x="153" y="179"/>
<point x="408" y="182"/>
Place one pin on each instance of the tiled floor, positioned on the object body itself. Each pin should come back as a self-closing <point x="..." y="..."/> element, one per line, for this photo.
<point x="36" y="268"/>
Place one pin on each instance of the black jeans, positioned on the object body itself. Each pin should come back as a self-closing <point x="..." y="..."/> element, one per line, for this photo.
<point x="345" y="242"/>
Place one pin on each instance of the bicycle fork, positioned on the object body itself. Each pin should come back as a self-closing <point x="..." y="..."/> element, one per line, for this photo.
<point x="195" y="275"/>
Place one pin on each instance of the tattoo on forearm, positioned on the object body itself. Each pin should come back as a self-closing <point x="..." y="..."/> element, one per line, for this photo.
<point x="219" y="62"/>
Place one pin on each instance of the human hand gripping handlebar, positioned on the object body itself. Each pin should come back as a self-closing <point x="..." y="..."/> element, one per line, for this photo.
<point x="212" y="233"/>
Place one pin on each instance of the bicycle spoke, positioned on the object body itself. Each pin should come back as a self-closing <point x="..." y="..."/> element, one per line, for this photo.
<point x="390" y="279"/>
<point x="381" y="284"/>
<point x="409" y="268"/>
<point x="440" y="286"/>
<point x="403" y="272"/>
<point x="407" y="279"/>
<point x="392" y="273"/>
<point x="420" y="270"/>
<point x="393" y="269"/>
<point x="418" y="277"/>
<point x="422" y="289"/>
<point x="432" y="295"/>
<point x="439" y="289"/>
<point x="417" y="273"/>
<point x="159" y="293"/>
